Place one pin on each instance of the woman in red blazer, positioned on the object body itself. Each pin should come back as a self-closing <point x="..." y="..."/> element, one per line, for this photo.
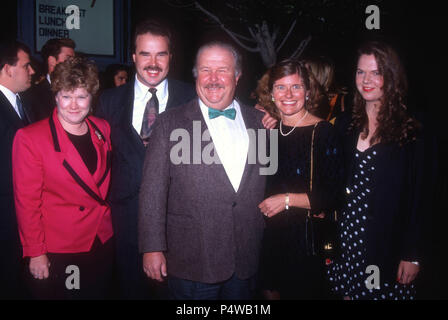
<point x="61" y="171"/>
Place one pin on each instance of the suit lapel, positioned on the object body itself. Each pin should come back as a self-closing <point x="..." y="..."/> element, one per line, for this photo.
<point x="126" y="120"/>
<point x="174" y="95"/>
<point x="103" y="154"/>
<point x="9" y="113"/>
<point x="26" y="111"/>
<point x="193" y="112"/>
<point x="250" y="123"/>
<point x="72" y="161"/>
<point x="171" y="95"/>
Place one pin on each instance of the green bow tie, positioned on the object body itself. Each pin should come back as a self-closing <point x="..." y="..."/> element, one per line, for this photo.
<point x="229" y="113"/>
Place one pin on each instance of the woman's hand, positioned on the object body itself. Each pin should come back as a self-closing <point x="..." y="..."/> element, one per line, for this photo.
<point x="407" y="272"/>
<point x="39" y="267"/>
<point x="267" y="121"/>
<point x="273" y="205"/>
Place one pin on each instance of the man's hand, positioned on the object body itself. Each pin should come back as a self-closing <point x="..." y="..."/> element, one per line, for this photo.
<point x="39" y="267"/>
<point x="407" y="271"/>
<point x="267" y="121"/>
<point x="154" y="265"/>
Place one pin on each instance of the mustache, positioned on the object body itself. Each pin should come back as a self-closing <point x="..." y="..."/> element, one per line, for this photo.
<point x="153" y="68"/>
<point x="214" y="86"/>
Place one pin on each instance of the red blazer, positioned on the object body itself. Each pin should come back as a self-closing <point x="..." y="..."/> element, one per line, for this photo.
<point x="60" y="206"/>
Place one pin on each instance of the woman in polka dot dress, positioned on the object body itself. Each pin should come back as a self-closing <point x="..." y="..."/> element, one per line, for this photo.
<point x="380" y="222"/>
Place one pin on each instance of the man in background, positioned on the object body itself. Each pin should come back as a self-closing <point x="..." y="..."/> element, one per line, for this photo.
<point x="15" y="77"/>
<point x="39" y="97"/>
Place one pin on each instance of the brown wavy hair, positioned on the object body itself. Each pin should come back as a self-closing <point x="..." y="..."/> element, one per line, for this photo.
<point x="394" y="123"/>
<point x="73" y="73"/>
<point x="323" y="70"/>
<point x="281" y="70"/>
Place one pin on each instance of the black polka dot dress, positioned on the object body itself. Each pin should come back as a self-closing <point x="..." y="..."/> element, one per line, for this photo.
<point x="348" y="275"/>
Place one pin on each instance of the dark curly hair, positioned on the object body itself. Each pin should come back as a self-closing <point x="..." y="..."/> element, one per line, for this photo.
<point x="394" y="123"/>
<point x="75" y="73"/>
<point x="283" y="69"/>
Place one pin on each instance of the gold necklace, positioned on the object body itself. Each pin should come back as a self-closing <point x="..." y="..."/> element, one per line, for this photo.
<point x="286" y="134"/>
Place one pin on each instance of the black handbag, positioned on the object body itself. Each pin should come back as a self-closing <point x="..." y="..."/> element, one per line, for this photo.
<point x="321" y="237"/>
<point x="321" y="234"/>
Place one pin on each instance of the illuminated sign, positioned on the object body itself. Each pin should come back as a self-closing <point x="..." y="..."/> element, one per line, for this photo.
<point x="89" y="23"/>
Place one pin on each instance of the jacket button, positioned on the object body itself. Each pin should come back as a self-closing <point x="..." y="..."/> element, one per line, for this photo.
<point x="233" y="204"/>
<point x="81" y="208"/>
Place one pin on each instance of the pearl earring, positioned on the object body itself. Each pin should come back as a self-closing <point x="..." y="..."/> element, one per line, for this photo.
<point x="273" y="100"/>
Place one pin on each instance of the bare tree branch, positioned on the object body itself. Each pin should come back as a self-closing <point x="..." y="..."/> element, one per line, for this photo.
<point x="300" y="48"/>
<point x="275" y="33"/>
<point x="287" y="35"/>
<point x="242" y="37"/>
<point x="230" y="33"/>
<point x="251" y="32"/>
<point x="267" y="48"/>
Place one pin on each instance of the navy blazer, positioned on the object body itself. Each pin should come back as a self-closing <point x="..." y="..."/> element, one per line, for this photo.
<point x="10" y="122"/>
<point x="10" y="246"/>
<point x="40" y="100"/>
<point x="395" y="217"/>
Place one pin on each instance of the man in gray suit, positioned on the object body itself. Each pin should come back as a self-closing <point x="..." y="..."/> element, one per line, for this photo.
<point x="199" y="224"/>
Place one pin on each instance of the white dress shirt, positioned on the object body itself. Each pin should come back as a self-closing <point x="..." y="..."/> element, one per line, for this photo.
<point x="12" y="98"/>
<point x="141" y="98"/>
<point x="231" y="142"/>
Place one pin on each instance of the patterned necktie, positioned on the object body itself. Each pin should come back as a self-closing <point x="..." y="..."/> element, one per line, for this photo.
<point x="151" y="112"/>
<point x="21" y="111"/>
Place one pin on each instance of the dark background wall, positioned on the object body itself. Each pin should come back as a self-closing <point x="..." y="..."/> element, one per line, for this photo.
<point x="416" y="29"/>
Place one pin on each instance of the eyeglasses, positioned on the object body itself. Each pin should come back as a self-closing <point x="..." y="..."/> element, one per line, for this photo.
<point x="293" y="88"/>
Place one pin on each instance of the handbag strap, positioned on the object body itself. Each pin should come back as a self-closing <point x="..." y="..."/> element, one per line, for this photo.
<point x="309" y="223"/>
<point x="311" y="162"/>
<point x="312" y="157"/>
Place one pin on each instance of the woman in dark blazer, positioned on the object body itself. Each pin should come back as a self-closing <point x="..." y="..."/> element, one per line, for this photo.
<point x="61" y="174"/>
<point x="380" y="222"/>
